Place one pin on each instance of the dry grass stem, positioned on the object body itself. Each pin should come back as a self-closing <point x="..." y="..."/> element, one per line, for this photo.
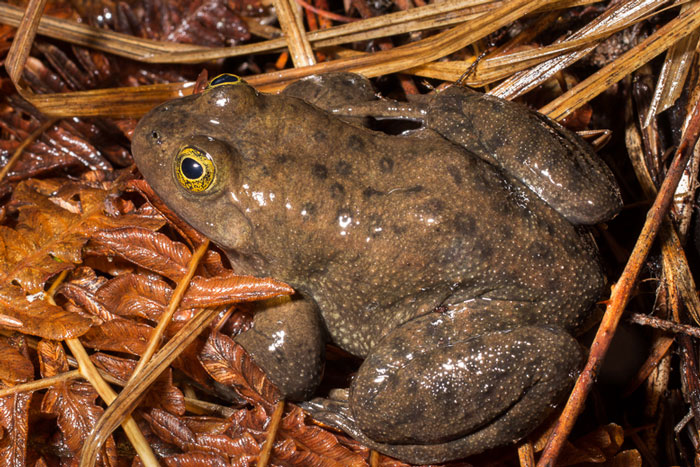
<point x="662" y="39"/>
<point x="134" y="389"/>
<point x="526" y="454"/>
<point x="621" y="13"/>
<point x="39" y="384"/>
<point x="438" y="15"/>
<point x="621" y="294"/>
<point x="272" y="429"/>
<point x="166" y="317"/>
<point x="673" y="73"/>
<point x="88" y="371"/>
<point x="291" y="22"/>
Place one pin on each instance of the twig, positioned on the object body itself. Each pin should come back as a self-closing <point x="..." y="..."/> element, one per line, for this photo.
<point x="621" y="293"/>
<point x="27" y="141"/>
<point x="272" y="429"/>
<point x="39" y="384"/>
<point x="88" y="371"/>
<point x="166" y="317"/>
<point x="664" y="324"/>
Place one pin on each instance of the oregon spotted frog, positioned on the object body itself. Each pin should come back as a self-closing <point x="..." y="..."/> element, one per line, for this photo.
<point x="447" y="256"/>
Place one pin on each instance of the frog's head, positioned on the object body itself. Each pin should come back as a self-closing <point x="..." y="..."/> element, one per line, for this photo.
<point x="185" y="151"/>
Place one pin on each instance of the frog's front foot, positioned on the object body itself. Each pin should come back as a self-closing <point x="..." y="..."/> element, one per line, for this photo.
<point x="287" y="342"/>
<point x="447" y="385"/>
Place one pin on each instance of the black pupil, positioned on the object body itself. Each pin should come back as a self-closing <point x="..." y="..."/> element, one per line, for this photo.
<point x="223" y="79"/>
<point x="191" y="168"/>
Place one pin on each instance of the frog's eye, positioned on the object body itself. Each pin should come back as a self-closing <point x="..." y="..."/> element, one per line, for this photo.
<point x="194" y="169"/>
<point x="224" y="80"/>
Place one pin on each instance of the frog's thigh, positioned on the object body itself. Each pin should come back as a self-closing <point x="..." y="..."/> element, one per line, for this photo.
<point x="459" y="394"/>
<point x="287" y="342"/>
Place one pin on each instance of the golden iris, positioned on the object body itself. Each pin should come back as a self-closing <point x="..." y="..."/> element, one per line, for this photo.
<point x="194" y="169"/>
<point x="224" y="79"/>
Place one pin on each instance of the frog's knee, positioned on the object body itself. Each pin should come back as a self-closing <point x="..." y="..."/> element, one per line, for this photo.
<point x="332" y="89"/>
<point x="471" y="395"/>
<point x="286" y="342"/>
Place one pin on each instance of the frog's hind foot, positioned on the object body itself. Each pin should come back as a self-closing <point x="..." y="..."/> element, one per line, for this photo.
<point x="333" y="410"/>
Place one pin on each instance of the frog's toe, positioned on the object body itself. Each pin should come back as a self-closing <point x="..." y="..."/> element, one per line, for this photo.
<point x="333" y="412"/>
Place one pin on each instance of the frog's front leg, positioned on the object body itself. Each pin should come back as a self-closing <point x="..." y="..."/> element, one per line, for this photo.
<point x="446" y="385"/>
<point x="287" y="342"/>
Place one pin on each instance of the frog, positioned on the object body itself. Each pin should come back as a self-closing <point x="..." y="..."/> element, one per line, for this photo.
<point x="454" y="257"/>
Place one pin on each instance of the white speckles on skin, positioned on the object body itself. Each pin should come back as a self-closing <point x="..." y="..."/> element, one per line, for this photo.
<point x="259" y="197"/>
<point x="344" y="221"/>
<point x="278" y="340"/>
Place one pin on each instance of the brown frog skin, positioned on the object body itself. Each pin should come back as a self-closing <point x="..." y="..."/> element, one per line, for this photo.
<point x="446" y="257"/>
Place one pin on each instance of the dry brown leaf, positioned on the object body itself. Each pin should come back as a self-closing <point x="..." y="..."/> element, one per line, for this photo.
<point x="162" y="394"/>
<point x="195" y="459"/>
<point x="150" y="250"/>
<point x="231" y="288"/>
<point x="170" y="429"/>
<point x="320" y="447"/>
<point x="73" y="402"/>
<point x="119" y="335"/>
<point x="135" y="295"/>
<point x="208" y="425"/>
<point x="14" y="408"/>
<point x="55" y="220"/>
<point x="229" y="364"/>
<point x="243" y="446"/>
<point x="15" y="367"/>
<point x="14" y="418"/>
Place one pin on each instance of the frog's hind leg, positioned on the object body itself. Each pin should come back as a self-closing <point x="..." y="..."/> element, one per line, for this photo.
<point x="329" y="90"/>
<point x="447" y="385"/>
<point x="529" y="147"/>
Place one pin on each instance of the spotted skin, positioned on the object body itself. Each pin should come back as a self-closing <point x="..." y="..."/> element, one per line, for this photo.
<point x="444" y="267"/>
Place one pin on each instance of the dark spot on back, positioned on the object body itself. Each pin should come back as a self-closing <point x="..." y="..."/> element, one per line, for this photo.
<point x="386" y="164"/>
<point x="343" y="168"/>
<point x="398" y="229"/>
<point x="282" y="158"/>
<point x="355" y="143"/>
<point x="485" y="252"/>
<point x="319" y="171"/>
<point x="540" y="251"/>
<point x="369" y="192"/>
<point x="554" y="284"/>
<point x="465" y="224"/>
<point x="319" y="137"/>
<point x="506" y="230"/>
<point x="456" y="176"/>
<point x="435" y="206"/>
<point x="337" y="190"/>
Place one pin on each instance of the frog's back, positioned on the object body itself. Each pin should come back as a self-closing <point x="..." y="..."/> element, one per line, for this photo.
<point x="417" y="222"/>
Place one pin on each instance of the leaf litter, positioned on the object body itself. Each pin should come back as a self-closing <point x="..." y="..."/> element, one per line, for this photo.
<point x="73" y="205"/>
